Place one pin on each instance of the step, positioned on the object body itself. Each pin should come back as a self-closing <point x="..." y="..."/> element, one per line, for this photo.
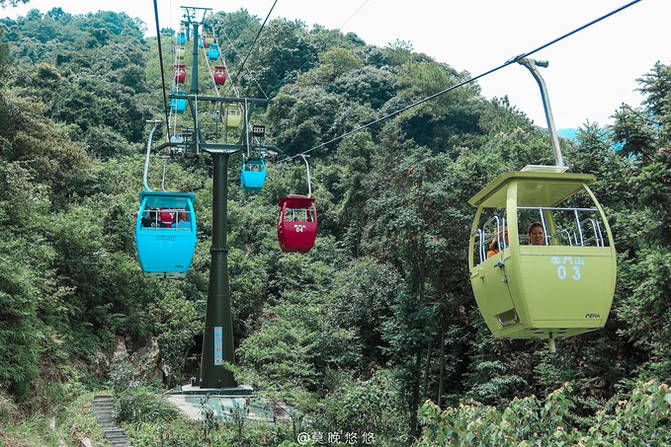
<point x="106" y="414"/>
<point x="106" y="421"/>
<point x="103" y="411"/>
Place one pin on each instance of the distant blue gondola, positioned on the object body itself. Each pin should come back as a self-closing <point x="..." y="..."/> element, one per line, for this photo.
<point x="253" y="174"/>
<point x="181" y="38"/>
<point x="213" y="52"/>
<point x="178" y="105"/>
<point x="165" y="233"/>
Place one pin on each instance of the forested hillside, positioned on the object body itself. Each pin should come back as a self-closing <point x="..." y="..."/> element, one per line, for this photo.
<point x="379" y="317"/>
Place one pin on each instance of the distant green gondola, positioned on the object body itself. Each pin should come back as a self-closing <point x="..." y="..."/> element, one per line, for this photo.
<point x="233" y="116"/>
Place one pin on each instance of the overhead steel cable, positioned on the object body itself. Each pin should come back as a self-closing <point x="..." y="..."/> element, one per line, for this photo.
<point x="254" y="42"/>
<point x="230" y="44"/>
<point x="338" y="29"/>
<point x="353" y="14"/>
<point x="468" y="81"/>
<point x="160" y="62"/>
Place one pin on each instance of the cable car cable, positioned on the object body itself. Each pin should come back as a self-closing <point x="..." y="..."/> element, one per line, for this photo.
<point x="340" y="27"/>
<point x="160" y="62"/>
<point x="255" y="39"/>
<point x="230" y="43"/>
<point x="468" y="81"/>
<point x="353" y="14"/>
<point x="209" y="68"/>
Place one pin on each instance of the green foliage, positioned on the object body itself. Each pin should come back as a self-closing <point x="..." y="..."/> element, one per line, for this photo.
<point x="182" y="432"/>
<point x="450" y="120"/>
<point x="87" y="87"/>
<point x="4" y="58"/>
<point x="366" y="85"/>
<point x="492" y="383"/>
<point x="43" y="147"/>
<point x="143" y="404"/>
<point x="366" y="406"/>
<point x="332" y="64"/>
<point x="363" y="298"/>
<point x="646" y="310"/>
<point x="297" y="344"/>
<point x="525" y="422"/>
<point x="303" y="116"/>
<point x="21" y="331"/>
<point x="133" y="400"/>
<point x="282" y="51"/>
<point x="75" y="421"/>
<point x="8" y="409"/>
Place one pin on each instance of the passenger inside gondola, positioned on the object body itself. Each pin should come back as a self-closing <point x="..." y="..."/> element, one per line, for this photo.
<point x="150" y="219"/>
<point x="182" y="220"/>
<point x="536" y="234"/>
<point x="298" y="215"/>
<point x="167" y="218"/>
<point x="576" y="226"/>
<point x="497" y="245"/>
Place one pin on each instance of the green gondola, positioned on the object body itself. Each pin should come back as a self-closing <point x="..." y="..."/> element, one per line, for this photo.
<point x="560" y="288"/>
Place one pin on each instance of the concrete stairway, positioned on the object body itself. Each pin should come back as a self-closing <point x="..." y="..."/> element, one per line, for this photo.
<point x="103" y="411"/>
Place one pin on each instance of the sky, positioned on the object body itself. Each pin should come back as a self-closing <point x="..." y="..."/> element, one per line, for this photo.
<point x="589" y="76"/>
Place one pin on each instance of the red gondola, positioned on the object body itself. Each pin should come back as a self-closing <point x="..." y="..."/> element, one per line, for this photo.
<point x="297" y="220"/>
<point x="207" y="40"/>
<point x="219" y="75"/>
<point x="297" y="223"/>
<point x="179" y="71"/>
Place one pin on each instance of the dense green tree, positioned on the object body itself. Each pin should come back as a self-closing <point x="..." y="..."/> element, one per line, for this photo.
<point x="644" y="280"/>
<point x="368" y="85"/>
<point x="450" y="120"/>
<point x="4" y="58"/>
<point x="282" y="51"/>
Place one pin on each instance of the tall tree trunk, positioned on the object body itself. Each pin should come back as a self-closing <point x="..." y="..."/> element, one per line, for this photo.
<point x="414" y="401"/>
<point x="442" y="360"/>
<point x="427" y="367"/>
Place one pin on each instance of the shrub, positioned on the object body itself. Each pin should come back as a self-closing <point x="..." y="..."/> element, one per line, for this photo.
<point x="142" y="404"/>
<point x="530" y="421"/>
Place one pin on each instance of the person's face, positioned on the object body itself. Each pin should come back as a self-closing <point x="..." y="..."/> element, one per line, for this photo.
<point x="536" y="236"/>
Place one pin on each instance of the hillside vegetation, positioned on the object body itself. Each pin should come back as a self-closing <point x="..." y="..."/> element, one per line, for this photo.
<point x="379" y="317"/>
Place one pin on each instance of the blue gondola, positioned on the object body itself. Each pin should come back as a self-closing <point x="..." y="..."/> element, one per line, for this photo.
<point x="213" y="52"/>
<point x="181" y="38"/>
<point x="178" y="105"/>
<point x="253" y="174"/>
<point x="165" y="233"/>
